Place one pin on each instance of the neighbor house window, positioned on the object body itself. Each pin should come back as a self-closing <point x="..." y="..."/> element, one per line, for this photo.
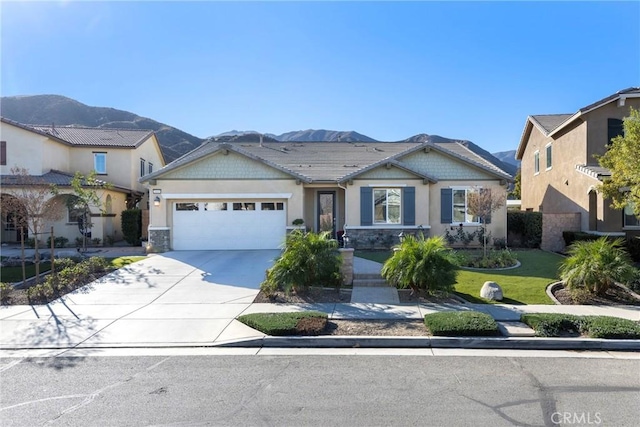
<point x="74" y="214"/>
<point x="630" y="219"/>
<point x="549" y="156"/>
<point x="150" y="167"/>
<point x="3" y="153"/>
<point x="461" y="205"/>
<point x="536" y="162"/>
<point x="215" y="206"/>
<point x="143" y="167"/>
<point x="187" y="206"/>
<point x="615" y="127"/>
<point x="244" y="206"/>
<point x="100" y="163"/>
<point x="386" y="205"/>
<point x="270" y="206"/>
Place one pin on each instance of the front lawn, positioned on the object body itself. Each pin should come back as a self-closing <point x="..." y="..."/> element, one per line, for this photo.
<point x="14" y="274"/>
<point x="523" y="285"/>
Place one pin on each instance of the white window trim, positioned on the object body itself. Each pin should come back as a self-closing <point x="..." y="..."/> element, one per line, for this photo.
<point x="546" y="155"/>
<point x="373" y="207"/>
<point x="466" y="188"/>
<point x="536" y="164"/>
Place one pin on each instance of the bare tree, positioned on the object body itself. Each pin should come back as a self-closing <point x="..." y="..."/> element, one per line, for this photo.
<point x="482" y="203"/>
<point x="32" y="203"/>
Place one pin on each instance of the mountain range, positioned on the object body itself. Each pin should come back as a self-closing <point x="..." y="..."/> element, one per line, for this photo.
<point x="63" y="111"/>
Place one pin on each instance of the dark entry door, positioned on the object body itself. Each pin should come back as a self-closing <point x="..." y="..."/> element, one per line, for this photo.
<point x="327" y="212"/>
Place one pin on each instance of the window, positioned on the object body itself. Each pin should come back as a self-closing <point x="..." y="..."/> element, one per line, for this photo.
<point x="100" y="163"/>
<point x="10" y="221"/>
<point x="630" y="219"/>
<point x="243" y="206"/>
<point x="536" y="162"/>
<point x="386" y="205"/>
<point x="150" y="167"/>
<point x="215" y="206"/>
<point x="74" y="214"/>
<point x="460" y="206"/>
<point x="187" y="207"/>
<point x="3" y="153"/>
<point x="615" y="128"/>
<point x="143" y="167"/>
<point x="270" y="206"/>
<point x="549" y="158"/>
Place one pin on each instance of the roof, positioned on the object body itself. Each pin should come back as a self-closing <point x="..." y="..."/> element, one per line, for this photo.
<point x="550" y="124"/>
<point x="86" y="136"/>
<point x="53" y="177"/>
<point x="330" y="161"/>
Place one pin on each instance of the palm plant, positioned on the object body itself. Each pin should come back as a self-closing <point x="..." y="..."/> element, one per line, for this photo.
<point x="420" y="263"/>
<point x="308" y="259"/>
<point x="595" y="265"/>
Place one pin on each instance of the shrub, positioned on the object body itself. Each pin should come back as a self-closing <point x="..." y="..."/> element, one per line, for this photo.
<point x="633" y="247"/>
<point x="30" y="242"/>
<point x="555" y="325"/>
<point x="279" y="323"/>
<point x="132" y="226"/>
<point x="527" y="225"/>
<point x="461" y="324"/>
<point x="494" y="259"/>
<point x="308" y="259"/>
<point x="570" y="237"/>
<point x="420" y="263"/>
<point x="96" y="241"/>
<point x="595" y="265"/>
<point x="5" y="291"/>
<point x="62" y="263"/>
<point x="58" y="242"/>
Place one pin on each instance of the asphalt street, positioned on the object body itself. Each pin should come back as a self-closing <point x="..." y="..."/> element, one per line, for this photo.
<point x="319" y="390"/>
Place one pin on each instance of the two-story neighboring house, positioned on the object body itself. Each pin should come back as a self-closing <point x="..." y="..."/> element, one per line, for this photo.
<point x="52" y="154"/>
<point x="560" y="172"/>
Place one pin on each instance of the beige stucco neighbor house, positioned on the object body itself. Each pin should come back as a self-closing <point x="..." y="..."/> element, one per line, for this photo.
<point x="249" y="195"/>
<point x="52" y="155"/>
<point x="560" y="172"/>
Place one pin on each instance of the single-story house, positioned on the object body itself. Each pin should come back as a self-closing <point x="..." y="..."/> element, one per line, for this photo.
<point x="249" y="195"/>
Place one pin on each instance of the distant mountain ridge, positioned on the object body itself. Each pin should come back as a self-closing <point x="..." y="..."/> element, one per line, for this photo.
<point x="174" y="143"/>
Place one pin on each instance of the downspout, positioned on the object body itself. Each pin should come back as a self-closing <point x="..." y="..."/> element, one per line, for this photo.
<point x="345" y="207"/>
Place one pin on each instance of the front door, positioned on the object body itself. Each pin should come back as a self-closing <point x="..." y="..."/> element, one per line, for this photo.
<point x="327" y="212"/>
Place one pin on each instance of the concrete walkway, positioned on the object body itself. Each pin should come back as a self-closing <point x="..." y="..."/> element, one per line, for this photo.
<point x="191" y="298"/>
<point x="368" y="286"/>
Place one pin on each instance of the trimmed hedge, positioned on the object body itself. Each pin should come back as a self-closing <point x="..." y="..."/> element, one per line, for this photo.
<point x="556" y="325"/>
<point x="132" y="226"/>
<point x="461" y="324"/>
<point x="580" y="236"/>
<point x="526" y="225"/>
<point x="278" y="323"/>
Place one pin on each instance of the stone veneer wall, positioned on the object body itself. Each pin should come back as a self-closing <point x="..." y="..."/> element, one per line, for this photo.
<point x="159" y="240"/>
<point x="378" y="238"/>
<point x="553" y="224"/>
<point x="347" y="266"/>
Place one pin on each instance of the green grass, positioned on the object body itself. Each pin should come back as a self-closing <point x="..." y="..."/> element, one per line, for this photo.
<point x="277" y="323"/>
<point x="461" y="324"/>
<point x="555" y="325"/>
<point x="14" y="274"/>
<point x="523" y="285"/>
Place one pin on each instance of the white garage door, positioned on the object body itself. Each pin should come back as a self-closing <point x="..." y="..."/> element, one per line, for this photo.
<point x="228" y="225"/>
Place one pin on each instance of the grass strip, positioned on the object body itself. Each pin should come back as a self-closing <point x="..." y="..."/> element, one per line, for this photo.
<point x="461" y="324"/>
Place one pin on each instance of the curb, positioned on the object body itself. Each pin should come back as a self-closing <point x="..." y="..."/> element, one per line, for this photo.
<point x="439" y="342"/>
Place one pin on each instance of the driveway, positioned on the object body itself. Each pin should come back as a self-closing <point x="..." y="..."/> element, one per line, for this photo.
<point x="176" y="298"/>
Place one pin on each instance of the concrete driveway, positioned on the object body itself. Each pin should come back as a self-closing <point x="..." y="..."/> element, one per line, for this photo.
<point x="176" y="298"/>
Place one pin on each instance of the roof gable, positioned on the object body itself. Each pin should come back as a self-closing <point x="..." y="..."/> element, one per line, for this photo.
<point x="445" y="167"/>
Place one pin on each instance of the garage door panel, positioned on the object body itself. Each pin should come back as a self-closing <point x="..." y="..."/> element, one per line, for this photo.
<point x="228" y="229"/>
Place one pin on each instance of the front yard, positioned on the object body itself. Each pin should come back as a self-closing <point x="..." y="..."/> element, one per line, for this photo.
<point x="522" y="285"/>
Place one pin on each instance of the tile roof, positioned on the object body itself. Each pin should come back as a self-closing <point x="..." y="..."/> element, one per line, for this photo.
<point x="96" y="137"/>
<point x="53" y="177"/>
<point x="549" y="122"/>
<point x="328" y="161"/>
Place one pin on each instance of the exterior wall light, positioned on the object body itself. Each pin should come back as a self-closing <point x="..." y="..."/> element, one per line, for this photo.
<point x="156" y="201"/>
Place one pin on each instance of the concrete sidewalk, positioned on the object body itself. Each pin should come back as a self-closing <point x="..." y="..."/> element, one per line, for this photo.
<point x="191" y="299"/>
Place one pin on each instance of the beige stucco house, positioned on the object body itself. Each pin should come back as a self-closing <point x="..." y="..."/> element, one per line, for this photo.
<point x="249" y="195"/>
<point x="560" y="172"/>
<point x="52" y="155"/>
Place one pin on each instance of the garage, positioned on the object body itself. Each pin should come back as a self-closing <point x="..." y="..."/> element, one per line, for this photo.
<point x="228" y="224"/>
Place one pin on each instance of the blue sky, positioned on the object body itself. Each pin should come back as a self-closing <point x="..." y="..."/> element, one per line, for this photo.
<point x="389" y="70"/>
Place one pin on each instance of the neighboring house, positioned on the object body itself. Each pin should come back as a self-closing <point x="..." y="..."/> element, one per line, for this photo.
<point x="52" y="155"/>
<point x="248" y="195"/>
<point x="560" y="172"/>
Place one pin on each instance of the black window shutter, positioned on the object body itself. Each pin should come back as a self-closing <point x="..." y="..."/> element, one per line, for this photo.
<point x="366" y="206"/>
<point x="446" y="206"/>
<point x="409" y="206"/>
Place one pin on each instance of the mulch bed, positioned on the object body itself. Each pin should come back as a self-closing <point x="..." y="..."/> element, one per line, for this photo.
<point x="314" y="326"/>
<point x="615" y="295"/>
<point x="313" y="295"/>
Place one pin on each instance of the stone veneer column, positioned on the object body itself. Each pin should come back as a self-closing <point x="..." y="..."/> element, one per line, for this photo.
<point x="159" y="239"/>
<point x="347" y="265"/>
